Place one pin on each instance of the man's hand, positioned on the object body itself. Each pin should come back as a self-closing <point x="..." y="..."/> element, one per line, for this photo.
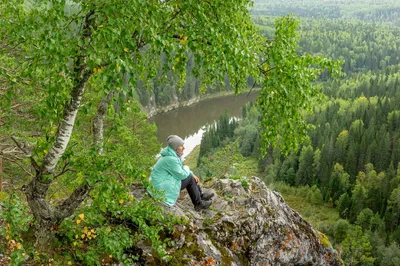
<point x="196" y="179"/>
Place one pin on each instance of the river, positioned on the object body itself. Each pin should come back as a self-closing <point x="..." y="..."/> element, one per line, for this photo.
<point x="190" y="122"/>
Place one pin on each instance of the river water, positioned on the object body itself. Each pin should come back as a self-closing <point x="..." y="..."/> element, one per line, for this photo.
<point x="190" y="122"/>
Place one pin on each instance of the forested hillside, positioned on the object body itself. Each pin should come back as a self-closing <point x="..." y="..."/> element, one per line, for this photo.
<point x="386" y="11"/>
<point x="351" y="160"/>
<point x="363" y="46"/>
<point x="164" y="90"/>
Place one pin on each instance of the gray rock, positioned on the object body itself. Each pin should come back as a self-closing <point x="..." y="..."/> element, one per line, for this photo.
<point x="248" y="227"/>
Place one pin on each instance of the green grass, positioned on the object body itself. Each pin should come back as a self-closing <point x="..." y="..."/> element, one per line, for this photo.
<point x="191" y="159"/>
<point x="321" y="216"/>
<point x="248" y="167"/>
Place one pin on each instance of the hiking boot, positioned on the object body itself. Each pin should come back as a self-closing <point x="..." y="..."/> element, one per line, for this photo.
<point x="207" y="196"/>
<point x="204" y="204"/>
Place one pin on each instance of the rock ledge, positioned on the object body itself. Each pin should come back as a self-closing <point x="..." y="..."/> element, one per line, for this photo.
<point x="251" y="226"/>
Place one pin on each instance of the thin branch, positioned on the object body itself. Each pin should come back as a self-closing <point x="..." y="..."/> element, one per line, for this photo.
<point x="17" y="163"/>
<point x="139" y="41"/>
<point x="76" y="17"/>
<point x="24" y="147"/>
<point x="17" y="105"/>
<point x="63" y="171"/>
<point x="120" y="176"/>
<point x="254" y="84"/>
<point x="264" y="72"/>
<point x="10" y="156"/>
<point x="11" y="149"/>
<point x="173" y="17"/>
<point x="263" y="62"/>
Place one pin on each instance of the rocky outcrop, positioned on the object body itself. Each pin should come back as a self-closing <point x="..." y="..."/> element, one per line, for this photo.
<point x="248" y="224"/>
<point x="152" y="109"/>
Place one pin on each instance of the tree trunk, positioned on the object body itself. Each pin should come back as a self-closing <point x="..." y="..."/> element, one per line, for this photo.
<point x="70" y="111"/>
<point x="98" y="123"/>
<point x="45" y="239"/>
<point x="47" y="216"/>
<point x="35" y="193"/>
<point x="37" y="189"/>
<point x="82" y="74"/>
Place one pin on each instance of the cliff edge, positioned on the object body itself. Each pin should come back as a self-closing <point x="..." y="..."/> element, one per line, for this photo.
<point x="248" y="224"/>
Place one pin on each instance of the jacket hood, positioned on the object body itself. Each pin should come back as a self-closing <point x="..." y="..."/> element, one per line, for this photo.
<point x="168" y="151"/>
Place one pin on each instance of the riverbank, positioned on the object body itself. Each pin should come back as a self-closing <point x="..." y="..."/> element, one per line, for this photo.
<point x="152" y="111"/>
<point x="189" y="122"/>
<point x="192" y="157"/>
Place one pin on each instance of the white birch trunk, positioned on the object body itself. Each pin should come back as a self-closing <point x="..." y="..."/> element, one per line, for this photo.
<point x="45" y="214"/>
<point x="98" y="123"/>
<point x="70" y="111"/>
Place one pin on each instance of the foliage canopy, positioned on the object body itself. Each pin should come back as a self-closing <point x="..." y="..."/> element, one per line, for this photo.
<point x="61" y="57"/>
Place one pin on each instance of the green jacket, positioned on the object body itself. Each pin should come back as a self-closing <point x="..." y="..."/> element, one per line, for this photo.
<point x="167" y="174"/>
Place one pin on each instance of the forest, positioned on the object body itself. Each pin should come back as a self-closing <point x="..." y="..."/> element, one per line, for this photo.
<point x="384" y="11"/>
<point x="350" y="161"/>
<point x="75" y="76"/>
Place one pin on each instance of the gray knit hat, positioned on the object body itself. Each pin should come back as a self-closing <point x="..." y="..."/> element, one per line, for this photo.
<point x="174" y="141"/>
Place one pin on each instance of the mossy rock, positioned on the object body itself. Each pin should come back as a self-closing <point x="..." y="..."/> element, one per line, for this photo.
<point x="3" y="196"/>
<point x="324" y="240"/>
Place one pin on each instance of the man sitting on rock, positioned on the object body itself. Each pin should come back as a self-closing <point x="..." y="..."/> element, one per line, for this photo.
<point x="170" y="176"/>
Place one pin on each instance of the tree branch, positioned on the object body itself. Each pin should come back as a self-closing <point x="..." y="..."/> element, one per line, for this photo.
<point x="252" y="87"/>
<point x="120" y="177"/>
<point x="98" y="122"/>
<point x="63" y="171"/>
<point x="263" y="62"/>
<point x="170" y="21"/>
<point x="16" y="162"/>
<point x="64" y="134"/>
<point x="68" y="206"/>
<point x="74" y="18"/>
<point x="264" y="72"/>
<point x="24" y="147"/>
<point x="71" y="108"/>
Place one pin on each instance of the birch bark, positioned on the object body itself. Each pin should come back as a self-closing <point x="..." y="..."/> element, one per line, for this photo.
<point x="70" y="111"/>
<point x="48" y="216"/>
<point x="98" y="123"/>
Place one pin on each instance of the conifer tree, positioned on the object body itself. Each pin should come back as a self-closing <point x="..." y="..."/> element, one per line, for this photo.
<point x="305" y="174"/>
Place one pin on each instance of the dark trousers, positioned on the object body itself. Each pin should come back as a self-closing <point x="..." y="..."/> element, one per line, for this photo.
<point x="193" y="189"/>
